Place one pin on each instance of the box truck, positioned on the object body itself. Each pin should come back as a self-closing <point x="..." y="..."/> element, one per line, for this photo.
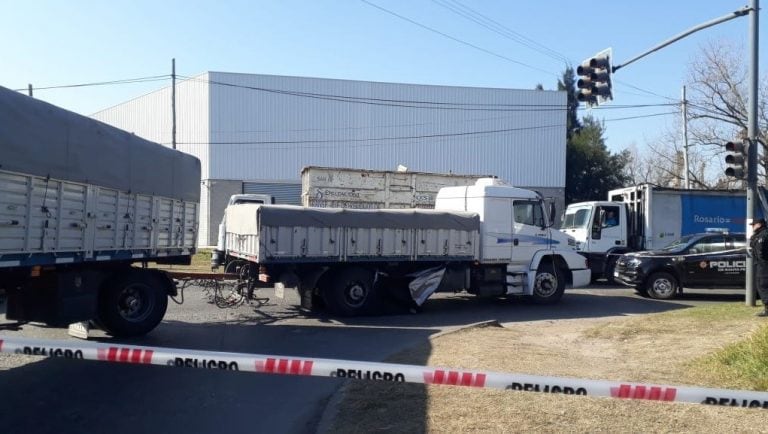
<point x="647" y="217"/>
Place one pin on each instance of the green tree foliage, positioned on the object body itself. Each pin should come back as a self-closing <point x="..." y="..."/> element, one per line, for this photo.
<point x="590" y="169"/>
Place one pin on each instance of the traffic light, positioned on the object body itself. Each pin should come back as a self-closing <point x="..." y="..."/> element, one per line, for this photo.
<point x="595" y="79"/>
<point x="736" y="159"/>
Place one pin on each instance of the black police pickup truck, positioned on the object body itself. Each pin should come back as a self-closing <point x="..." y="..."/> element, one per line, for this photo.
<point x="706" y="260"/>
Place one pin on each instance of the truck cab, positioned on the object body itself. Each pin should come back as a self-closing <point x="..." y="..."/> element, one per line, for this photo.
<point x="600" y="230"/>
<point x="218" y="256"/>
<point x="515" y="228"/>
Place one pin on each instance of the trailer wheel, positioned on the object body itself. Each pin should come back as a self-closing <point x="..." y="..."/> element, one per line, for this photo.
<point x="132" y="304"/>
<point x="661" y="285"/>
<point x="351" y="293"/>
<point x="549" y="285"/>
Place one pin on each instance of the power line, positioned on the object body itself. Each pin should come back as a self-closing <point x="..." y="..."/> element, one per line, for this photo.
<point x="469" y="44"/>
<point x="104" y="83"/>
<point x="377" y="139"/>
<point x="500" y="29"/>
<point x="420" y="104"/>
<point x="641" y="116"/>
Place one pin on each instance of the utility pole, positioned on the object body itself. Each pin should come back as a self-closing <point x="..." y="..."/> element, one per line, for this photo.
<point x="29" y="89"/>
<point x="684" y="111"/>
<point x="173" y="103"/>
<point x="752" y="134"/>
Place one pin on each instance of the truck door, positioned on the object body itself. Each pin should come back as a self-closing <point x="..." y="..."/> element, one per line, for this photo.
<point x="607" y="229"/>
<point x="530" y="234"/>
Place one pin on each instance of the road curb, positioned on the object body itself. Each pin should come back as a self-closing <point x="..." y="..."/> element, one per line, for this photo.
<point x="332" y="406"/>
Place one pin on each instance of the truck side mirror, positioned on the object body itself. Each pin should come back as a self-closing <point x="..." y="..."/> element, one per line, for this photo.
<point x="552" y="212"/>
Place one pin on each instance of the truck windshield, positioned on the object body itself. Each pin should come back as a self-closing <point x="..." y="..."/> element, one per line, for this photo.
<point x="577" y="218"/>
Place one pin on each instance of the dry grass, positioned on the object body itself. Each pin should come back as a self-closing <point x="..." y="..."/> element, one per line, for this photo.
<point x="669" y="348"/>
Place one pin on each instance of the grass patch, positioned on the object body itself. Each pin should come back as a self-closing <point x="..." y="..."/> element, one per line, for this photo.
<point x="694" y="319"/>
<point x="743" y="364"/>
<point x="201" y="263"/>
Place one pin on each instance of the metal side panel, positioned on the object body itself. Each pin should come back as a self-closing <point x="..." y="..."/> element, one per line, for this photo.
<point x="105" y="219"/>
<point x="191" y="222"/>
<point x="14" y="210"/>
<point x="163" y="219"/>
<point x="142" y="222"/>
<point x="446" y="243"/>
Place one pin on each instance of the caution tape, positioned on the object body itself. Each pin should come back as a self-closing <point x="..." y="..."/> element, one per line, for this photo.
<point x="389" y="372"/>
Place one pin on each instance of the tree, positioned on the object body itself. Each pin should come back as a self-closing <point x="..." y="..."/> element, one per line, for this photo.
<point x="590" y="169"/>
<point x="718" y="100"/>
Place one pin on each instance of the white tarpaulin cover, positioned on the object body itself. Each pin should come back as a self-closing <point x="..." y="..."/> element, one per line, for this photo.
<point x="41" y="139"/>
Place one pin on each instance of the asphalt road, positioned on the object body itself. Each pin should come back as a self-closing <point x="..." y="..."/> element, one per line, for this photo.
<point x="70" y="396"/>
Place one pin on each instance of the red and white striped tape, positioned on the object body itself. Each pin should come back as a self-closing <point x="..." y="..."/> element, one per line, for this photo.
<point x="390" y="372"/>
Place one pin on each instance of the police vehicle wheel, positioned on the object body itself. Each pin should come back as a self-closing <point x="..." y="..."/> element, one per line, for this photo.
<point x="662" y="286"/>
<point x="132" y="304"/>
<point x="351" y="293"/>
<point x="549" y="285"/>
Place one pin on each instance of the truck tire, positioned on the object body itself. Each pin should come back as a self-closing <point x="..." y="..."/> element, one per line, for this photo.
<point x="549" y="285"/>
<point x="132" y="304"/>
<point x="661" y="286"/>
<point x="351" y="293"/>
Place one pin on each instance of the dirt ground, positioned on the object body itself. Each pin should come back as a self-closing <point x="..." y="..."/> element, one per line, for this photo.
<point x="656" y="349"/>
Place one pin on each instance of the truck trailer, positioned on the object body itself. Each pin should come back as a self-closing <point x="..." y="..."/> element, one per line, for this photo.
<point x="81" y="202"/>
<point x="489" y="239"/>
<point x="334" y="187"/>
<point x="648" y="217"/>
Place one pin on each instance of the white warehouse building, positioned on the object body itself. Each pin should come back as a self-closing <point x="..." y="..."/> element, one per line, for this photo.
<point x="255" y="133"/>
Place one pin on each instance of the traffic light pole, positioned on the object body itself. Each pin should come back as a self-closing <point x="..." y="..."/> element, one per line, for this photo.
<point x="739" y="13"/>
<point x="752" y="133"/>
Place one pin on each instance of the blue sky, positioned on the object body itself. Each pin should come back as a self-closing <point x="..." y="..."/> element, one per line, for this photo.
<point x="49" y="43"/>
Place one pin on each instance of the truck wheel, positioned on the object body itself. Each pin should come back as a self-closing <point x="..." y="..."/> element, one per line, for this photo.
<point x="132" y="304"/>
<point x="351" y="293"/>
<point x="661" y="285"/>
<point x="549" y="285"/>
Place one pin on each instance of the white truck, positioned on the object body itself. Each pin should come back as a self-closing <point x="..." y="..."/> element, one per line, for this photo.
<point x="489" y="239"/>
<point x="218" y="254"/>
<point x="332" y="187"/>
<point x="647" y="217"/>
<point x="80" y="202"/>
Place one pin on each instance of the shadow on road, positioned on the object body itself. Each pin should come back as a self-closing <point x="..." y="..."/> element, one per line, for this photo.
<point x="72" y="396"/>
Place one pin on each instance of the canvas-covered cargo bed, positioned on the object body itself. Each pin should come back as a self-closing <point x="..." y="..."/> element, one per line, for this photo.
<point x="73" y="189"/>
<point x="277" y="233"/>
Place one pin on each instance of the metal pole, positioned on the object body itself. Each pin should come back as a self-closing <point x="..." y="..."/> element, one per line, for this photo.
<point x="685" y="141"/>
<point x="752" y="133"/>
<point x="29" y="88"/>
<point x="173" y="103"/>
<point x="739" y="13"/>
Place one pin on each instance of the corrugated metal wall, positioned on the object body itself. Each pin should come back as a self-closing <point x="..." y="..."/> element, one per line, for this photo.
<point x="149" y="116"/>
<point x="286" y="193"/>
<point x="269" y="127"/>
